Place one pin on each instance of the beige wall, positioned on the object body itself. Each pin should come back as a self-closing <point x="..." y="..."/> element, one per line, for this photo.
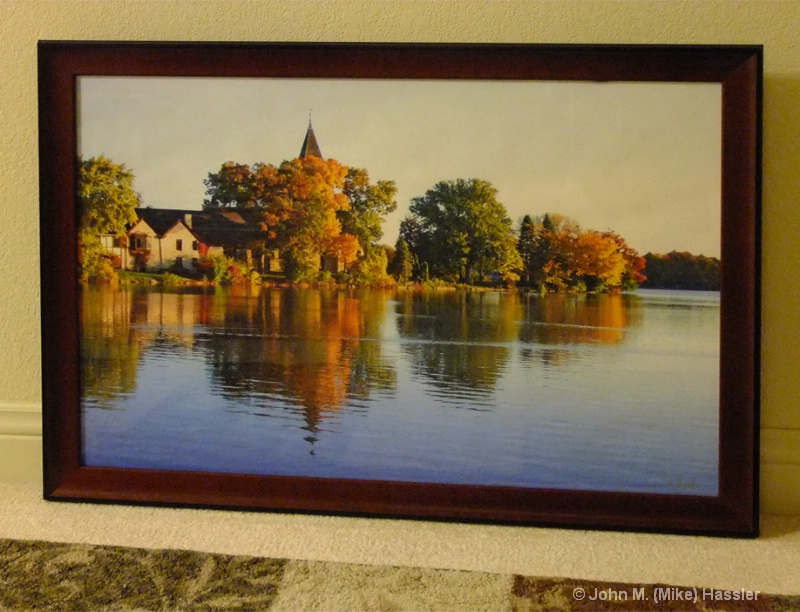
<point x="772" y="23"/>
<point x="169" y="250"/>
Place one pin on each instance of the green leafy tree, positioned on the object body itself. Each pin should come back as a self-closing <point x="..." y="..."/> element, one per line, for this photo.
<point x="463" y="232"/>
<point x="368" y="206"/>
<point x="232" y="187"/>
<point x="371" y="269"/>
<point x="108" y="205"/>
<point x="420" y="243"/>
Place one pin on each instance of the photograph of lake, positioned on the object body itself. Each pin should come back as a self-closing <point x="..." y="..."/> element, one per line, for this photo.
<point x="506" y="283"/>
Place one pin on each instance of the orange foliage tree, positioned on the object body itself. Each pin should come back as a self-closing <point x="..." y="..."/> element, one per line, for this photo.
<point x="559" y="255"/>
<point x="598" y="260"/>
<point x="310" y="195"/>
<point x="346" y="248"/>
<point x="299" y="203"/>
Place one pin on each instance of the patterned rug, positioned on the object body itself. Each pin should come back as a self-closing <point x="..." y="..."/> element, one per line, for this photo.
<point x="50" y="576"/>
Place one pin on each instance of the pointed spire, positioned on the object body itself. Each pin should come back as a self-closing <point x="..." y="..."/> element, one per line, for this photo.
<point x="310" y="146"/>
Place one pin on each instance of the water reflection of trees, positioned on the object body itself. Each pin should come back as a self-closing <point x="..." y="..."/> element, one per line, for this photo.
<point x="551" y="323"/>
<point x="457" y="341"/>
<point x="109" y="348"/>
<point x="276" y="344"/>
<point x="460" y="341"/>
<point x="316" y="347"/>
<point x="369" y="370"/>
<point x="307" y="349"/>
<point x="312" y="351"/>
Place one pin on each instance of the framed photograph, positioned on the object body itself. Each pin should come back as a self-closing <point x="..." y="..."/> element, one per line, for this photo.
<point x="491" y="283"/>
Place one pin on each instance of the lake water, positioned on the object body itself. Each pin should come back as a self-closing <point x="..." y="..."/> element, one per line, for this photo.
<point x="594" y="392"/>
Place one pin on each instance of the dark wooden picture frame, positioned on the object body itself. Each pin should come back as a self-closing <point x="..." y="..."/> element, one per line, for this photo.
<point x="738" y="69"/>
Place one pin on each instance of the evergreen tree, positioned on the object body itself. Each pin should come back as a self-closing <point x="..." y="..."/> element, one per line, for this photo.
<point x="402" y="265"/>
<point x="526" y="245"/>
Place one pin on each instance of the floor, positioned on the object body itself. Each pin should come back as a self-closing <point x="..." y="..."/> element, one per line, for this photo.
<point x="768" y="563"/>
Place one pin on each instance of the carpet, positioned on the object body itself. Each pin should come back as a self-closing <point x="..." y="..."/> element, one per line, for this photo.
<point x="51" y="576"/>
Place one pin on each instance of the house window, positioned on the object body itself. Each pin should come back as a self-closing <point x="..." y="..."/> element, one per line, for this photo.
<point x="195" y="245"/>
<point x="179" y="245"/>
<point x="179" y="261"/>
<point x="139" y="242"/>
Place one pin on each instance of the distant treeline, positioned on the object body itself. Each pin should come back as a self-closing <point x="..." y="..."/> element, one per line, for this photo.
<point x="678" y="270"/>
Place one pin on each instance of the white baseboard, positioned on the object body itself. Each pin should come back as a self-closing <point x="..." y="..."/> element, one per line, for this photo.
<point x="20" y="442"/>
<point x="21" y="457"/>
<point x="20" y="420"/>
<point x="780" y="471"/>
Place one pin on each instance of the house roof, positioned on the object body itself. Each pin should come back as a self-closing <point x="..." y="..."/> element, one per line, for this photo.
<point x="219" y="227"/>
<point x="139" y="226"/>
<point x="161" y="220"/>
<point x="226" y="228"/>
<point x="310" y="146"/>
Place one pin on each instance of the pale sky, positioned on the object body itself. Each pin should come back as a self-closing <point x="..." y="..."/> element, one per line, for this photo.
<point x="641" y="159"/>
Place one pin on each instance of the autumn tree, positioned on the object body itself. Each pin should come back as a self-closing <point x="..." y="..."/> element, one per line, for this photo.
<point x="545" y="246"/>
<point x="597" y="262"/>
<point x="559" y="255"/>
<point x="345" y="247"/>
<point x="462" y="232"/>
<point x="299" y="202"/>
<point x="304" y="211"/>
<point x="108" y="205"/>
<point x="309" y="207"/>
<point x="635" y="264"/>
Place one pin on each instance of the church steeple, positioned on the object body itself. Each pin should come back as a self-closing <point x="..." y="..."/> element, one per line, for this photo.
<point x="310" y="146"/>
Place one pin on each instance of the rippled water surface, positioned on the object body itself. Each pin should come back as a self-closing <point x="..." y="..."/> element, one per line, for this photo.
<point x="577" y="391"/>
